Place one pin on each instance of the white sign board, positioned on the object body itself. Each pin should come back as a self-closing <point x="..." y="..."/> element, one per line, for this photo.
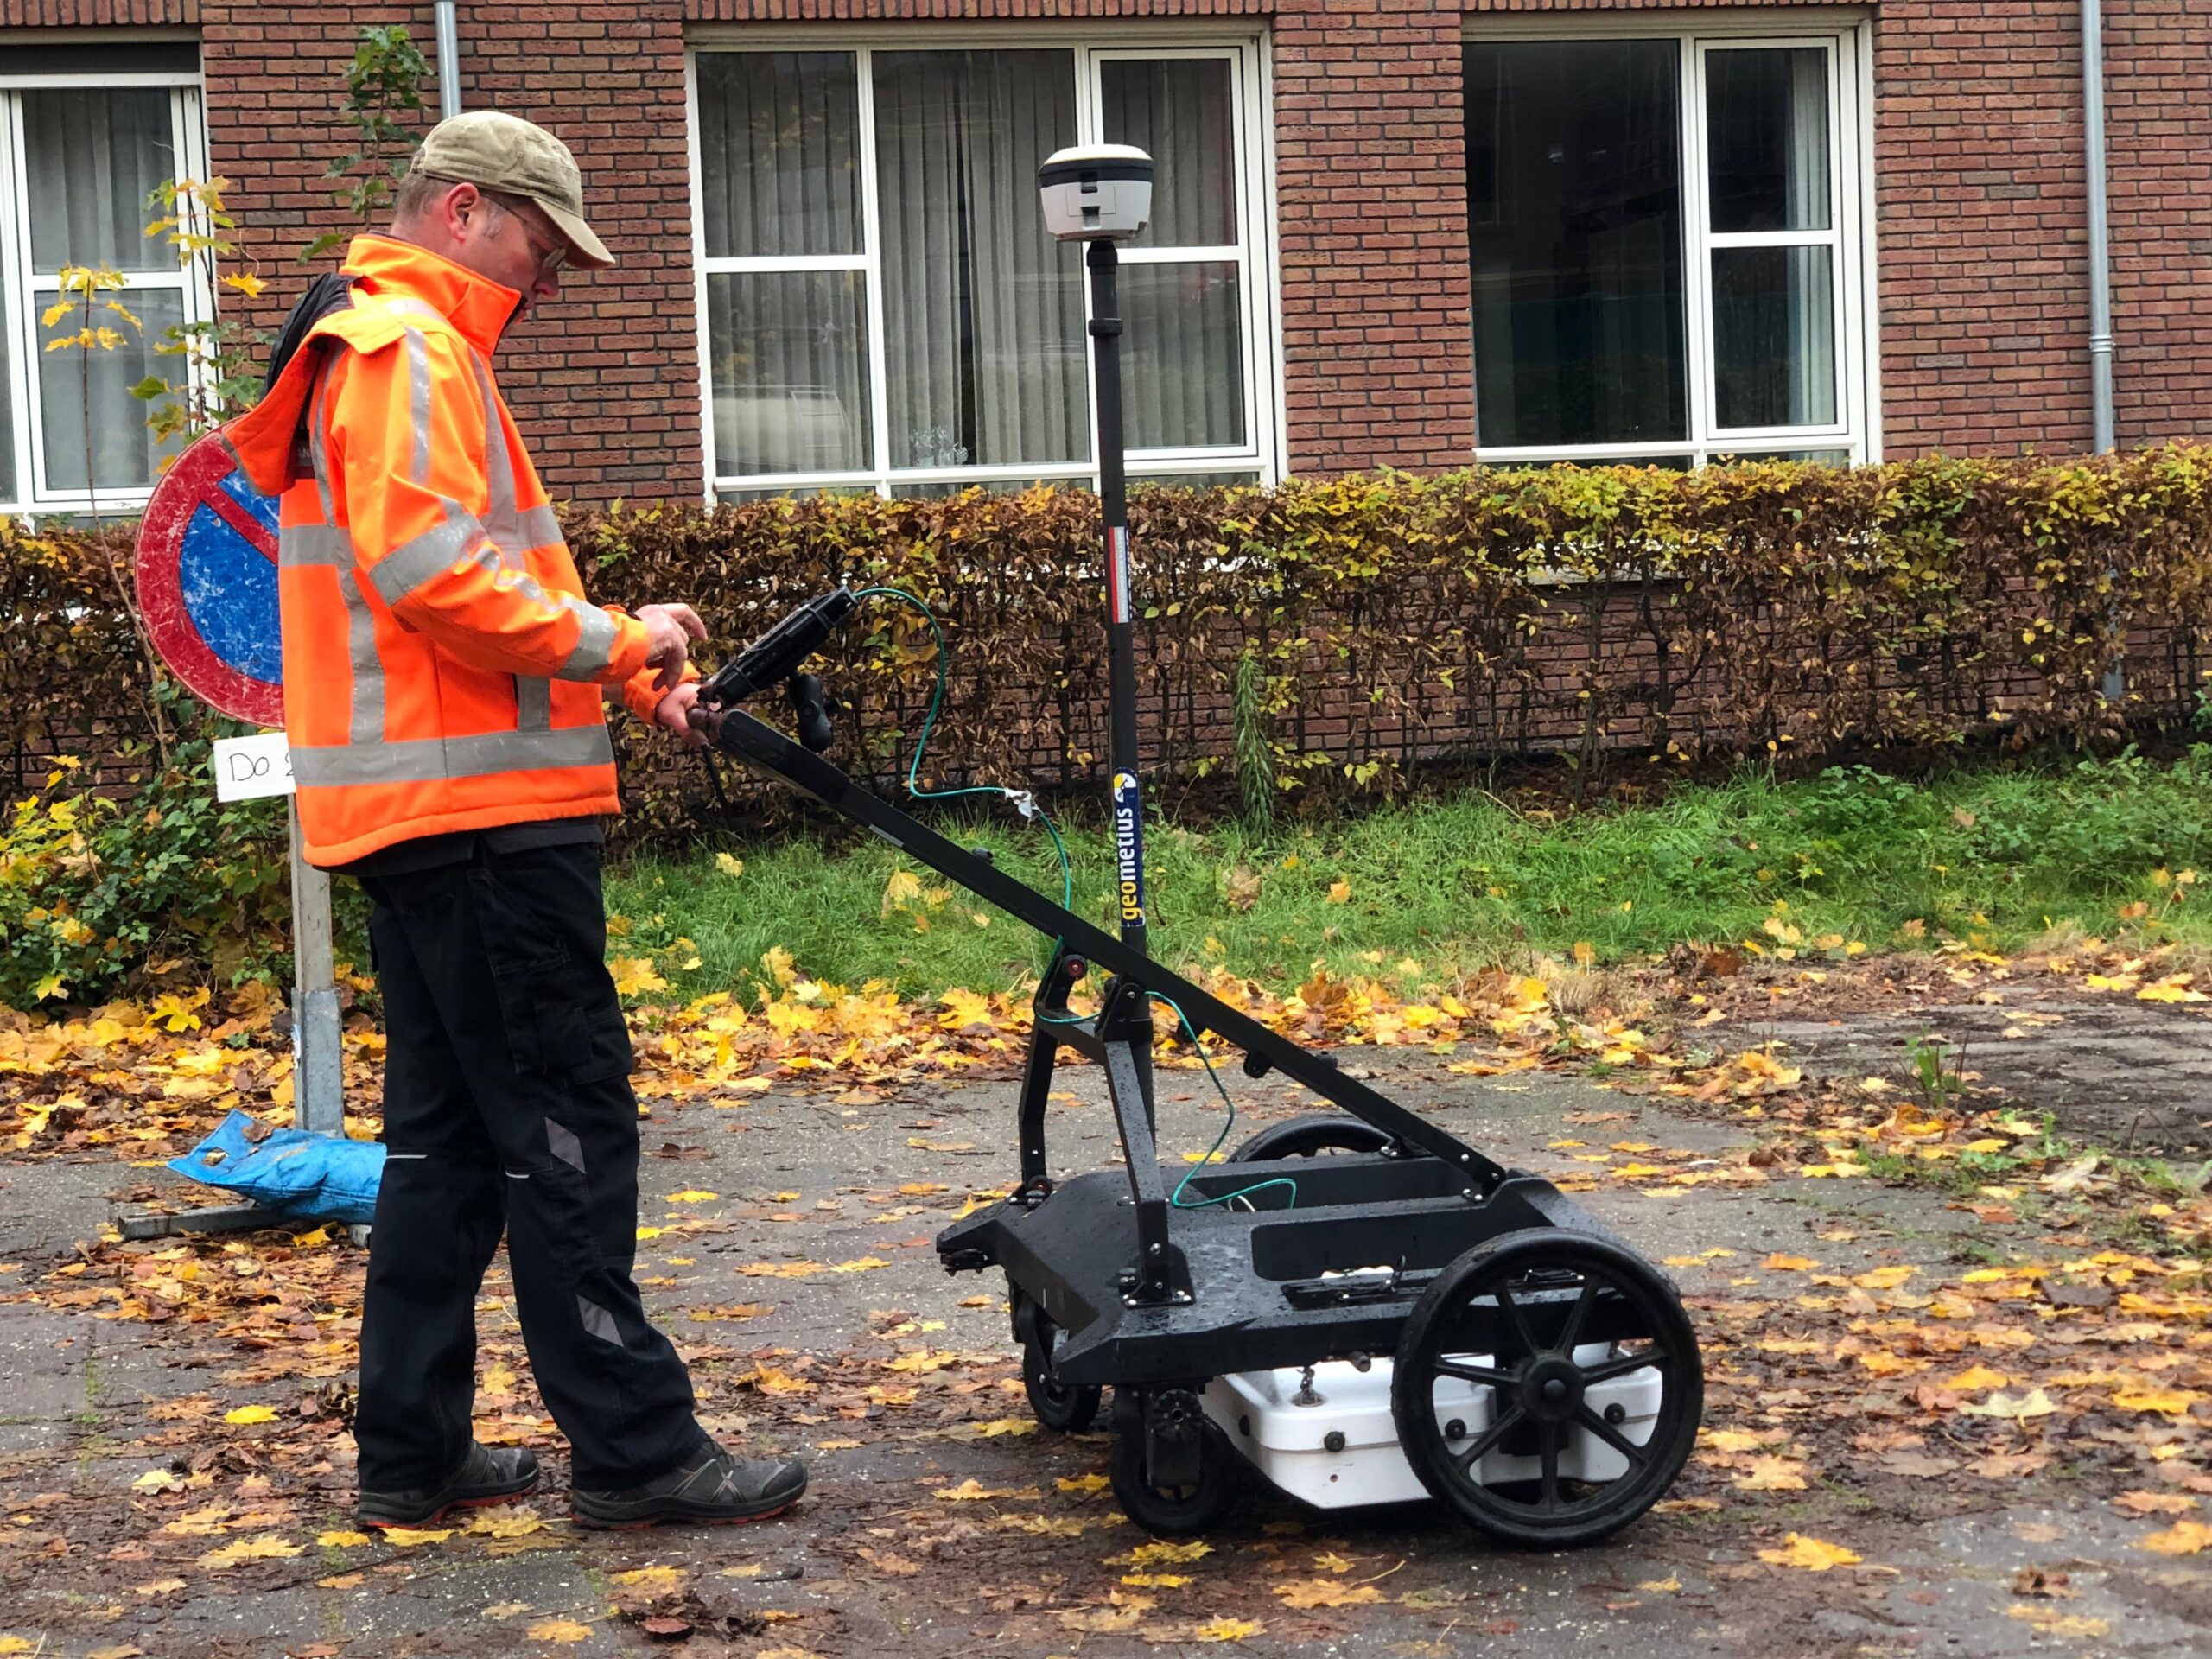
<point x="247" y="768"/>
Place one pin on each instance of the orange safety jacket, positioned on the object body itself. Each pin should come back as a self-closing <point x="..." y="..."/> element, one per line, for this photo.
<point x="441" y="666"/>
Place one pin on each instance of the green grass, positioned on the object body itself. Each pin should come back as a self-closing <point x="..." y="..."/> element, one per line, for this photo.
<point x="1999" y="856"/>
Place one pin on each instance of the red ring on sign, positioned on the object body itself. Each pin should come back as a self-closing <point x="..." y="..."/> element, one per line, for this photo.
<point x="195" y="479"/>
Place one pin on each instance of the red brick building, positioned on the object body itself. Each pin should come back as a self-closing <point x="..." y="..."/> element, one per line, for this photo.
<point x="1388" y="231"/>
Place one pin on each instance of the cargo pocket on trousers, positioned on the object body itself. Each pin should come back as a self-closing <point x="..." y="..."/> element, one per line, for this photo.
<point x="550" y="1032"/>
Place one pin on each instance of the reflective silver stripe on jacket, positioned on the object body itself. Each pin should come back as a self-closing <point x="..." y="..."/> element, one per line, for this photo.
<point x="499" y="543"/>
<point x="365" y="718"/>
<point x="504" y="523"/>
<point x="431" y="759"/>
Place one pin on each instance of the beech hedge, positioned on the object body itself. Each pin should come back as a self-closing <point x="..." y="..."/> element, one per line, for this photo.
<point x="1328" y="640"/>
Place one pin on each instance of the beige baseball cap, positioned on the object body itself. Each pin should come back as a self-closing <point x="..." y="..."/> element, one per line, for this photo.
<point x="497" y="151"/>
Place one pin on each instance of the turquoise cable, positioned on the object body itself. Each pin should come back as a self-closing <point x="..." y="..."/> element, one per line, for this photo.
<point x="1067" y="902"/>
<point x="1176" y="1197"/>
<point x="929" y="724"/>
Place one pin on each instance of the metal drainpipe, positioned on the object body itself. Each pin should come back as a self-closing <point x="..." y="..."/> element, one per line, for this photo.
<point x="450" y="60"/>
<point x="2092" y="86"/>
<point x="2101" y="346"/>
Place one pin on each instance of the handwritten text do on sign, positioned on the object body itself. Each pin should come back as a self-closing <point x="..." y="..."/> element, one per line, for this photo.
<point x="247" y="768"/>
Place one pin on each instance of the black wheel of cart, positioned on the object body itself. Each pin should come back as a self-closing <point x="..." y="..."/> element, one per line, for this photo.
<point x="1174" y="1511"/>
<point x="1314" y="1135"/>
<point x="1541" y="1317"/>
<point x="1065" y="1407"/>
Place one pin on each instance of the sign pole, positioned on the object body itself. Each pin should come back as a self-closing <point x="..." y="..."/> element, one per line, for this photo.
<point x="206" y="580"/>
<point x="248" y="768"/>
<point x="318" y="1055"/>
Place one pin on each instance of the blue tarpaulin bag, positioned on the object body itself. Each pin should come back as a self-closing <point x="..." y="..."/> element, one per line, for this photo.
<point x="291" y="1172"/>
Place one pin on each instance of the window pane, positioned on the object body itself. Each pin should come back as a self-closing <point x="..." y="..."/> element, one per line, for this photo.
<point x="123" y="455"/>
<point x="779" y="153"/>
<point x="982" y="310"/>
<point x="1657" y="463"/>
<point x="97" y="155"/>
<point x="1194" y="480"/>
<point x="1766" y="112"/>
<point x="1177" y="110"/>
<point x="938" y="489"/>
<point x="1182" y="355"/>
<point x="1575" y="205"/>
<point x="788" y="356"/>
<point x="792" y="493"/>
<point x="1817" y="457"/>
<point x="7" y="400"/>
<point x="1773" y="337"/>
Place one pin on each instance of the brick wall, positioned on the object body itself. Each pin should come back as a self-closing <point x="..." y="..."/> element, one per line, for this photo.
<point x="1981" y="231"/>
<point x="2158" y="126"/>
<point x="606" y="384"/>
<point x="1978" y="157"/>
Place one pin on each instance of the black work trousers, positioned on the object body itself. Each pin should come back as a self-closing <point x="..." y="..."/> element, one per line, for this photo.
<point x="507" y="1102"/>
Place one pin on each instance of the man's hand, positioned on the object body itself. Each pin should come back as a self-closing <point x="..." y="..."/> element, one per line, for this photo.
<point x="671" y="628"/>
<point x="676" y="712"/>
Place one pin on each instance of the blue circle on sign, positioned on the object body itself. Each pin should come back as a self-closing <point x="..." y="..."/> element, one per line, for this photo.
<point x="230" y="585"/>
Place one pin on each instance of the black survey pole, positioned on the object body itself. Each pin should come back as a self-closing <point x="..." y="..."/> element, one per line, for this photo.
<point x="1120" y="631"/>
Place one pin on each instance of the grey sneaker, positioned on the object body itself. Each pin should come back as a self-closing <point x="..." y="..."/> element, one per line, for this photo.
<point x="711" y="1486"/>
<point x="489" y="1474"/>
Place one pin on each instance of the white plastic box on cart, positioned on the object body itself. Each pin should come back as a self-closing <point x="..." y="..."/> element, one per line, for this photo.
<point x="1339" y="1449"/>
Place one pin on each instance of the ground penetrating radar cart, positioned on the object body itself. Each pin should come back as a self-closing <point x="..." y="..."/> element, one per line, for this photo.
<point x="1356" y="1304"/>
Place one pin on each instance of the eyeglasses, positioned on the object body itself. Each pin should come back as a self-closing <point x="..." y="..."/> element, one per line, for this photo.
<point x="550" y="260"/>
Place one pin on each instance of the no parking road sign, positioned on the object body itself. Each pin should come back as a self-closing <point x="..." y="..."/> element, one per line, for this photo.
<point x="206" y="571"/>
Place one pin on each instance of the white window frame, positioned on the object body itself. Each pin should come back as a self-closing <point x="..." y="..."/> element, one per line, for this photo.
<point x="26" y="291"/>
<point x="1848" y="37"/>
<point x="1252" y="99"/>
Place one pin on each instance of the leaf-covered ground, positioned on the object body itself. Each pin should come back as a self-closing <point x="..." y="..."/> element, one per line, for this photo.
<point x="1959" y="1345"/>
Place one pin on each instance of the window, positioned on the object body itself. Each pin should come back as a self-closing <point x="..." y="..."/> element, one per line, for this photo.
<point x="881" y="307"/>
<point x="1665" y="235"/>
<point x="84" y="136"/>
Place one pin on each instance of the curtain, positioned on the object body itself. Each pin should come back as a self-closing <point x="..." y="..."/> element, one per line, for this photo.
<point x="788" y="359"/>
<point x="1183" y="357"/>
<point x="1184" y="344"/>
<point x="781" y="178"/>
<point x="124" y="453"/>
<point x="982" y="310"/>
<point x="96" y="157"/>
<point x="1812" y="322"/>
<point x="1180" y="111"/>
<point x="779" y="153"/>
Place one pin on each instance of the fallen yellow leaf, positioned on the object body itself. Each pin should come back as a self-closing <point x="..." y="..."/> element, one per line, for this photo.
<point x="2182" y="1538"/>
<point x="267" y="1547"/>
<point x="1975" y="1378"/>
<point x="410" y="1537"/>
<point x="971" y="1490"/>
<point x="341" y="1539"/>
<point x="651" y="1578"/>
<point x="1325" y="1592"/>
<point x="562" y="1630"/>
<point x="1810" y="1554"/>
<point x="246" y="1414"/>
<point x="2174" y="1402"/>
<point x="1772" y="1473"/>
<point x="2049" y="1621"/>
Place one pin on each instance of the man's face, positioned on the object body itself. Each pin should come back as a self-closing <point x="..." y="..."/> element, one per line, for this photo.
<point x="509" y="240"/>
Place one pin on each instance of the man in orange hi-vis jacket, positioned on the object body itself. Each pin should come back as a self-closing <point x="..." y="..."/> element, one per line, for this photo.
<point x="443" y="685"/>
